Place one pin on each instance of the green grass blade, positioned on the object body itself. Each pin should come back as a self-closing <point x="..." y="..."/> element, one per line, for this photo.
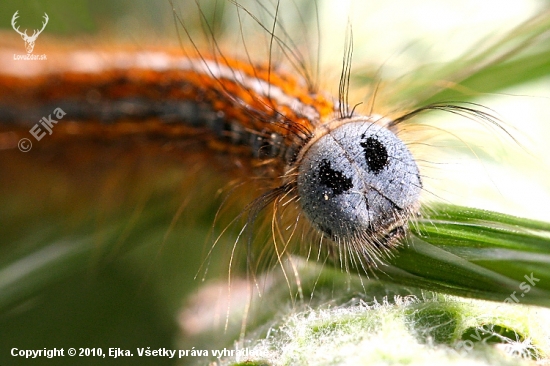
<point x="519" y="56"/>
<point x="476" y="253"/>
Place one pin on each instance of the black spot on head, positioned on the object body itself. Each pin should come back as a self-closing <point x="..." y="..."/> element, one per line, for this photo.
<point x="333" y="179"/>
<point x="376" y="154"/>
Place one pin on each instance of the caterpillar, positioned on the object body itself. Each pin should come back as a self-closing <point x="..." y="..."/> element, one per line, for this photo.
<point x="355" y="180"/>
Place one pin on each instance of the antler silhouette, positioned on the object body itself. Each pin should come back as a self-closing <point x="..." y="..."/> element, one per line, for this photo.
<point x="13" y="19"/>
<point x="29" y="40"/>
<point x="35" y="35"/>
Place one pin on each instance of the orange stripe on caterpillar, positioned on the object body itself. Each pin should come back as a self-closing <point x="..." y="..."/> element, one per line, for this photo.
<point x="106" y="87"/>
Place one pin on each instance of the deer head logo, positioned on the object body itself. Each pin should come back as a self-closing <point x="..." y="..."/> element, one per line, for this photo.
<point x="29" y="40"/>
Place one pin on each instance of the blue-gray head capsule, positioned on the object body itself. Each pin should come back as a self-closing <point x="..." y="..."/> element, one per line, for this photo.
<point x="358" y="182"/>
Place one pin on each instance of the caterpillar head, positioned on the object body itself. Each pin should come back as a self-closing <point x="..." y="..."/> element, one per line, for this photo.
<point x="358" y="182"/>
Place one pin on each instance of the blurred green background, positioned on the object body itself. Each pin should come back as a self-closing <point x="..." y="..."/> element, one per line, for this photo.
<point x="88" y="255"/>
<point x="96" y="253"/>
